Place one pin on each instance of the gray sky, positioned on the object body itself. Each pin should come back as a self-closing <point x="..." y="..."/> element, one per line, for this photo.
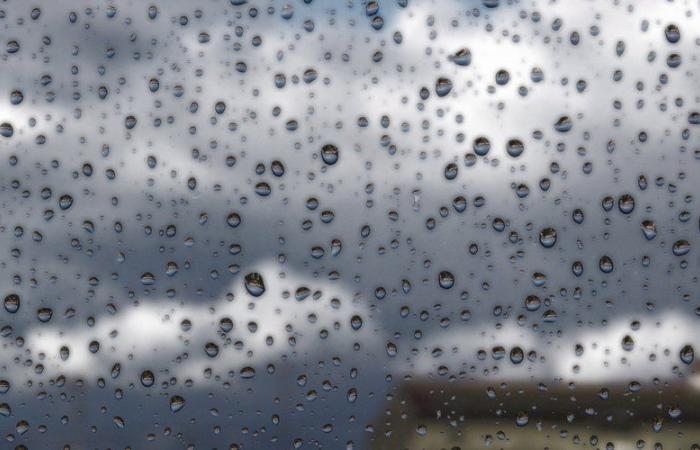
<point x="146" y="244"/>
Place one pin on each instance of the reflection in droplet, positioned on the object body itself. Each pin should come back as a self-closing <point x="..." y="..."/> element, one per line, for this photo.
<point x="254" y="284"/>
<point x="687" y="354"/>
<point x="515" y="147"/>
<point x="563" y="124"/>
<point x="462" y="57"/>
<point x="681" y="247"/>
<point x="176" y="403"/>
<point x="6" y="130"/>
<point x="12" y="303"/>
<point x="147" y="378"/>
<point x="649" y="229"/>
<point x="446" y="280"/>
<point x="443" y="86"/>
<point x="548" y="237"/>
<point x="329" y="154"/>
<point x="605" y="264"/>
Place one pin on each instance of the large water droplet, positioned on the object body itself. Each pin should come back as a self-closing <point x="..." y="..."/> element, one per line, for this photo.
<point x="649" y="229"/>
<point x="329" y="154"/>
<point x="626" y="204"/>
<point x="563" y="124"/>
<point x="446" y="280"/>
<point x="687" y="354"/>
<point x="522" y="419"/>
<point x="606" y="264"/>
<point x="515" y="147"/>
<point x="673" y="34"/>
<point x="627" y="343"/>
<point x="176" y="403"/>
<point x="443" y="86"/>
<point x="12" y="303"/>
<point x="681" y="247"/>
<point x="147" y="378"/>
<point x="462" y="57"/>
<point x="548" y="237"/>
<point x="254" y="284"/>
<point x="481" y="146"/>
<point x="6" y="130"/>
<point x="65" y="202"/>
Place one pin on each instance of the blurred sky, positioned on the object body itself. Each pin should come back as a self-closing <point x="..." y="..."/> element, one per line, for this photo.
<point x="155" y="199"/>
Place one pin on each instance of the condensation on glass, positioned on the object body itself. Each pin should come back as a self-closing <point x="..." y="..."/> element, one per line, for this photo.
<point x="390" y="224"/>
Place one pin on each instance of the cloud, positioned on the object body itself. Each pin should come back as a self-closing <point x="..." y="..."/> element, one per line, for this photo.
<point x="184" y="340"/>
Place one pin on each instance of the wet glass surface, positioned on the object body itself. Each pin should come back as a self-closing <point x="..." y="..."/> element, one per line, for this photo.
<point x="391" y="224"/>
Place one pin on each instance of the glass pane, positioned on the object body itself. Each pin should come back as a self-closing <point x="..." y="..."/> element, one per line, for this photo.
<point x="349" y="224"/>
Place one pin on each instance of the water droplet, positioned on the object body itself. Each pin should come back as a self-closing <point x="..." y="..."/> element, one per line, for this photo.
<point x="681" y="247"/>
<point x="44" y="314"/>
<point x="254" y="284"/>
<point x="211" y="349"/>
<point x="522" y="419"/>
<point x="65" y="202"/>
<point x="329" y="154"/>
<point x="502" y="77"/>
<point x="16" y="97"/>
<point x="548" y="237"/>
<point x="443" y="86"/>
<point x="626" y="204"/>
<point x="356" y="322"/>
<point x="247" y="373"/>
<point x="446" y="280"/>
<point x="233" y="219"/>
<point x="481" y="146"/>
<point x="119" y="422"/>
<point x="687" y="354"/>
<point x="462" y="57"/>
<point x="627" y="343"/>
<point x="649" y="229"/>
<point x="515" y="148"/>
<point x="532" y="303"/>
<point x="147" y="279"/>
<point x="606" y="264"/>
<point x="263" y="189"/>
<point x="12" y="303"/>
<point x="517" y="355"/>
<point x="563" y="124"/>
<point x="6" y="130"/>
<point x="451" y="171"/>
<point x="673" y="34"/>
<point x="176" y="403"/>
<point x="147" y="378"/>
<point x="130" y="122"/>
<point x="12" y="47"/>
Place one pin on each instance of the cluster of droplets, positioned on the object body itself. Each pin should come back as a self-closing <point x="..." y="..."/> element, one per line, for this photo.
<point x="462" y="232"/>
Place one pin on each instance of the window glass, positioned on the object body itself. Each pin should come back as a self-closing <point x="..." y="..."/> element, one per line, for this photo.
<point x="391" y="224"/>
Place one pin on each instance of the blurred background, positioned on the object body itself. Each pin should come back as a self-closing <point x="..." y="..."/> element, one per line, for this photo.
<point x="363" y="224"/>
